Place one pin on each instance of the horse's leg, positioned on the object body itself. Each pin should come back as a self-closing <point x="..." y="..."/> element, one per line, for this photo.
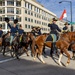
<point x="36" y="53"/>
<point x="73" y="56"/>
<point x="40" y="48"/>
<point x="44" y="50"/>
<point x="68" y="55"/>
<point x="4" y="50"/>
<point x="25" y="51"/>
<point x="16" y="52"/>
<point x="59" y="61"/>
<point x="33" y="47"/>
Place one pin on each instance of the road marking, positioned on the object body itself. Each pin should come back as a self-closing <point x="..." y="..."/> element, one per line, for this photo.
<point x="7" y="60"/>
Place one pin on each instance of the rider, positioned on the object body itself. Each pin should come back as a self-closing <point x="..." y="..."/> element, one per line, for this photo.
<point x="54" y="33"/>
<point x="13" y="28"/>
<point x="1" y="32"/>
<point x="66" y="29"/>
<point x="38" y="30"/>
<point x="20" y="30"/>
<point x="34" y="31"/>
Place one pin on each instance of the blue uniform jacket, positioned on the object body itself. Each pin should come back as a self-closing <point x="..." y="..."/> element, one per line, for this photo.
<point x="1" y="32"/>
<point x="39" y="32"/>
<point x="20" y="31"/>
<point x="54" y="28"/>
<point x="13" y="29"/>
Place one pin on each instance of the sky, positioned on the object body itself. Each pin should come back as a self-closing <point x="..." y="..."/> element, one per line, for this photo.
<point x="55" y="7"/>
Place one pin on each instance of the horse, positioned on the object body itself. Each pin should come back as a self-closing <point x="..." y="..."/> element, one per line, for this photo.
<point x="63" y="44"/>
<point x="19" y="41"/>
<point x="37" y="43"/>
<point x="1" y="44"/>
<point x="5" y="41"/>
<point x="24" y="42"/>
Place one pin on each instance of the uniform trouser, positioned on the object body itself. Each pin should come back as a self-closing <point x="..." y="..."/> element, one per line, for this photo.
<point x="11" y="39"/>
<point x="53" y="46"/>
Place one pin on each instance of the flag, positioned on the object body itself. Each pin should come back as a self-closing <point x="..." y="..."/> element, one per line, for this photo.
<point x="64" y="15"/>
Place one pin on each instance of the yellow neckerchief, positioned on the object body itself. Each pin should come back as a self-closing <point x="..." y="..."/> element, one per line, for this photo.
<point x="20" y="38"/>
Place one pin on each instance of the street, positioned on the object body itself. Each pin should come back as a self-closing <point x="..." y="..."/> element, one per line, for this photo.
<point x="27" y="66"/>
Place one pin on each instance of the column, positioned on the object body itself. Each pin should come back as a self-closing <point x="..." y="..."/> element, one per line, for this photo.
<point x="15" y="9"/>
<point x="6" y="15"/>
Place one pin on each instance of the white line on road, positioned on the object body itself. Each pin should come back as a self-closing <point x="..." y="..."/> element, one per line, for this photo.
<point x="7" y="60"/>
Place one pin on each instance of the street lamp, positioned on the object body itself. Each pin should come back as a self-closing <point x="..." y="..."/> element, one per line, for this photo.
<point x="70" y="12"/>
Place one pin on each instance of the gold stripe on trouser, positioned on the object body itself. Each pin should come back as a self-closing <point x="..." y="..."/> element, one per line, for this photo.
<point x="53" y="37"/>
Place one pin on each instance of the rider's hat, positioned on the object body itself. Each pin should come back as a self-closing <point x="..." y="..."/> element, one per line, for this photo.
<point x="66" y="23"/>
<point x="54" y="19"/>
<point x="15" y="21"/>
<point x="6" y="19"/>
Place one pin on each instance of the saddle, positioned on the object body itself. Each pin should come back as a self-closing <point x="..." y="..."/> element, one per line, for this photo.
<point x="50" y="38"/>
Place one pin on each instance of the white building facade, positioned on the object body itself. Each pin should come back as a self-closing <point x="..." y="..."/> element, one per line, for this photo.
<point x="29" y="13"/>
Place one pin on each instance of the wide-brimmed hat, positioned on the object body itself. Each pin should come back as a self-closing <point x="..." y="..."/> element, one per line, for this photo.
<point x="54" y="19"/>
<point x="15" y="21"/>
<point x="66" y="23"/>
<point x="6" y="19"/>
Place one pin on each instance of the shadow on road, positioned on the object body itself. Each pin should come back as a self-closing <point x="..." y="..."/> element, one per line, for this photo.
<point x="26" y="67"/>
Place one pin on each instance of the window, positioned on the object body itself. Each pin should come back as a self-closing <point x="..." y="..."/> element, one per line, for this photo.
<point x="25" y="18"/>
<point x="18" y="11"/>
<point x="25" y="25"/>
<point x="3" y="18"/>
<point x="2" y="3"/>
<point x="29" y="12"/>
<point x="29" y="26"/>
<point x="10" y="2"/>
<point x="10" y="10"/>
<point x="18" y="3"/>
<point x="11" y="17"/>
<point x="0" y="18"/>
<point x="26" y="11"/>
<point x="28" y="19"/>
<point x="26" y="5"/>
<point x="0" y="11"/>
<point x="3" y="25"/>
<point x="19" y="18"/>
<point x="31" y="20"/>
<point x="35" y="21"/>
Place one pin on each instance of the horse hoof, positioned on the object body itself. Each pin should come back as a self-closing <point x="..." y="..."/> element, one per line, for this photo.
<point x="27" y="54"/>
<point x="43" y="62"/>
<point x="60" y="64"/>
<point x="67" y="64"/>
<point x="34" y="58"/>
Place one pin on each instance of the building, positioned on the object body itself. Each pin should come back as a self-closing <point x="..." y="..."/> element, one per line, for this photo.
<point x="29" y="13"/>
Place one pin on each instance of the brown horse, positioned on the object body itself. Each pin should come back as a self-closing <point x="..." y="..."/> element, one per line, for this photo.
<point x="1" y="43"/>
<point x="62" y="44"/>
<point x="39" y="43"/>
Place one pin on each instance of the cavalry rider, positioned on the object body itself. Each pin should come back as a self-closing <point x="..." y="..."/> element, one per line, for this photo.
<point x="54" y="33"/>
<point x="20" y="30"/>
<point x="66" y="29"/>
<point x="13" y="28"/>
<point x="38" y="30"/>
<point x="34" y="31"/>
<point x="1" y="32"/>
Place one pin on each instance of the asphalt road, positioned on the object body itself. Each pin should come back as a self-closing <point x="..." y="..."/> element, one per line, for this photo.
<point x="28" y="66"/>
